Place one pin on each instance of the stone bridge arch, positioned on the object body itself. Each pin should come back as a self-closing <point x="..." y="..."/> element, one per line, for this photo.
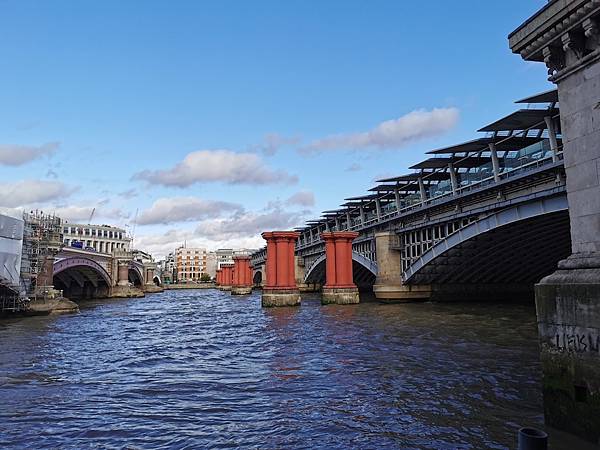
<point x="519" y="244"/>
<point x="80" y="277"/>
<point x="136" y="275"/>
<point x="258" y="277"/>
<point x="364" y="271"/>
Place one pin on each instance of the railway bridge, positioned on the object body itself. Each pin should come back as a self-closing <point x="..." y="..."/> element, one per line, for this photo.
<point x="486" y="218"/>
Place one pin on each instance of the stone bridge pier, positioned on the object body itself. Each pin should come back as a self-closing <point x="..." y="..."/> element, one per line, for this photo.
<point x="388" y="285"/>
<point x="149" y="273"/>
<point x="122" y="287"/>
<point x="280" y="287"/>
<point x="565" y="35"/>
<point x="123" y="273"/>
<point x="339" y="287"/>
<point x="242" y="275"/>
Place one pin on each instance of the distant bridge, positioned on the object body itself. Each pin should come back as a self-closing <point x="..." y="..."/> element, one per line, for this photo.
<point x="85" y="274"/>
<point x="484" y="217"/>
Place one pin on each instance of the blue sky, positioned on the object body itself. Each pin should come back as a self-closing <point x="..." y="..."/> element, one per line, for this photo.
<point x="216" y="120"/>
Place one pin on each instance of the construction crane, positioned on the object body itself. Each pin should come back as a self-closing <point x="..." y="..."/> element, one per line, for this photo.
<point x="133" y="228"/>
<point x="91" y="216"/>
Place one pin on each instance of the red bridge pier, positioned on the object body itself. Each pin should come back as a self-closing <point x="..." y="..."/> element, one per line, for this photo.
<point x="226" y="277"/>
<point x="242" y="275"/>
<point x="280" y="288"/>
<point x="339" y="288"/>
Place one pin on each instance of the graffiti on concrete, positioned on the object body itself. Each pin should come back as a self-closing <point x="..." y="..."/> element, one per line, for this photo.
<point x="576" y="342"/>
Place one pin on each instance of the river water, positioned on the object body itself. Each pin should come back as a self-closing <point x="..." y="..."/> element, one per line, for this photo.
<point x="193" y="369"/>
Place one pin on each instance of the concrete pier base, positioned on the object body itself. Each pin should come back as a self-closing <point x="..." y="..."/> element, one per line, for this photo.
<point x="241" y="290"/>
<point x="340" y="296"/>
<point x="399" y="293"/>
<point x="280" y="297"/>
<point x="58" y="305"/>
<point x="568" y="311"/>
<point x="126" y="292"/>
<point x="153" y="289"/>
<point x="224" y="288"/>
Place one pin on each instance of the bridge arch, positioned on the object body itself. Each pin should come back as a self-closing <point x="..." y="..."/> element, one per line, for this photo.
<point x="156" y="280"/>
<point x="519" y="244"/>
<point x="135" y="275"/>
<point x="257" y="277"/>
<point x="363" y="269"/>
<point x="80" y="278"/>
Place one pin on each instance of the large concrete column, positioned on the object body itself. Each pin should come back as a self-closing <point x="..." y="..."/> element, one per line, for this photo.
<point x="280" y="288"/>
<point x="218" y="277"/>
<point x="552" y="137"/>
<point x="565" y="36"/>
<point x="339" y="286"/>
<point x="242" y="281"/>
<point x="388" y="284"/>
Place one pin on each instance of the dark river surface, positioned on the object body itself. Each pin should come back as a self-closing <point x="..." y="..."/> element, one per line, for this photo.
<point x="194" y="369"/>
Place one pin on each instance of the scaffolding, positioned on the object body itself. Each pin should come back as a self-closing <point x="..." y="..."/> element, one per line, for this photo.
<point x="42" y="240"/>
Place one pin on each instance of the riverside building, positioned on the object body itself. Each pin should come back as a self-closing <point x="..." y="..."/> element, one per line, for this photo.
<point x="225" y="255"/>
<point x="191" y="263"/>
<point x="99" y="238"/>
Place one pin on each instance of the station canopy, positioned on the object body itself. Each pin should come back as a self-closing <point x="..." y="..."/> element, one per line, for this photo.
<point x="550" y="96"/>
<point x="522" y="119"/>
<point x="427" y="176"/>
<point x="395" y="187"/>
<point x="502" y="143"/>
<point x="363" y="197"/>
<point x="458" y="162"/>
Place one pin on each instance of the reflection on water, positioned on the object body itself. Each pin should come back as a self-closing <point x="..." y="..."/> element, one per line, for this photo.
<point x="186" y="369"/>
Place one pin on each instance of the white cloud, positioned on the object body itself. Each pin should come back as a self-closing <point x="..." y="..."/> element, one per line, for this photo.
<point x="272" y="142"/>
<point x="392" y="133"/>
<point x="353" y="167"/>
<point x="184" y="209"/>
<point x="248" y="224"/>
<point x="74" y="213"/>
<point x="302" y="198"/>
<point x="239" y="230"/>
<point x="28" y="192"/>
<point x="17" y="155"/>
<point x="205" y="166"/>
<point x="81" y="214"/>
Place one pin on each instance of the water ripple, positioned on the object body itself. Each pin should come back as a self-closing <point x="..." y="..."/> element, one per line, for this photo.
<point x="190" y="369"/>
